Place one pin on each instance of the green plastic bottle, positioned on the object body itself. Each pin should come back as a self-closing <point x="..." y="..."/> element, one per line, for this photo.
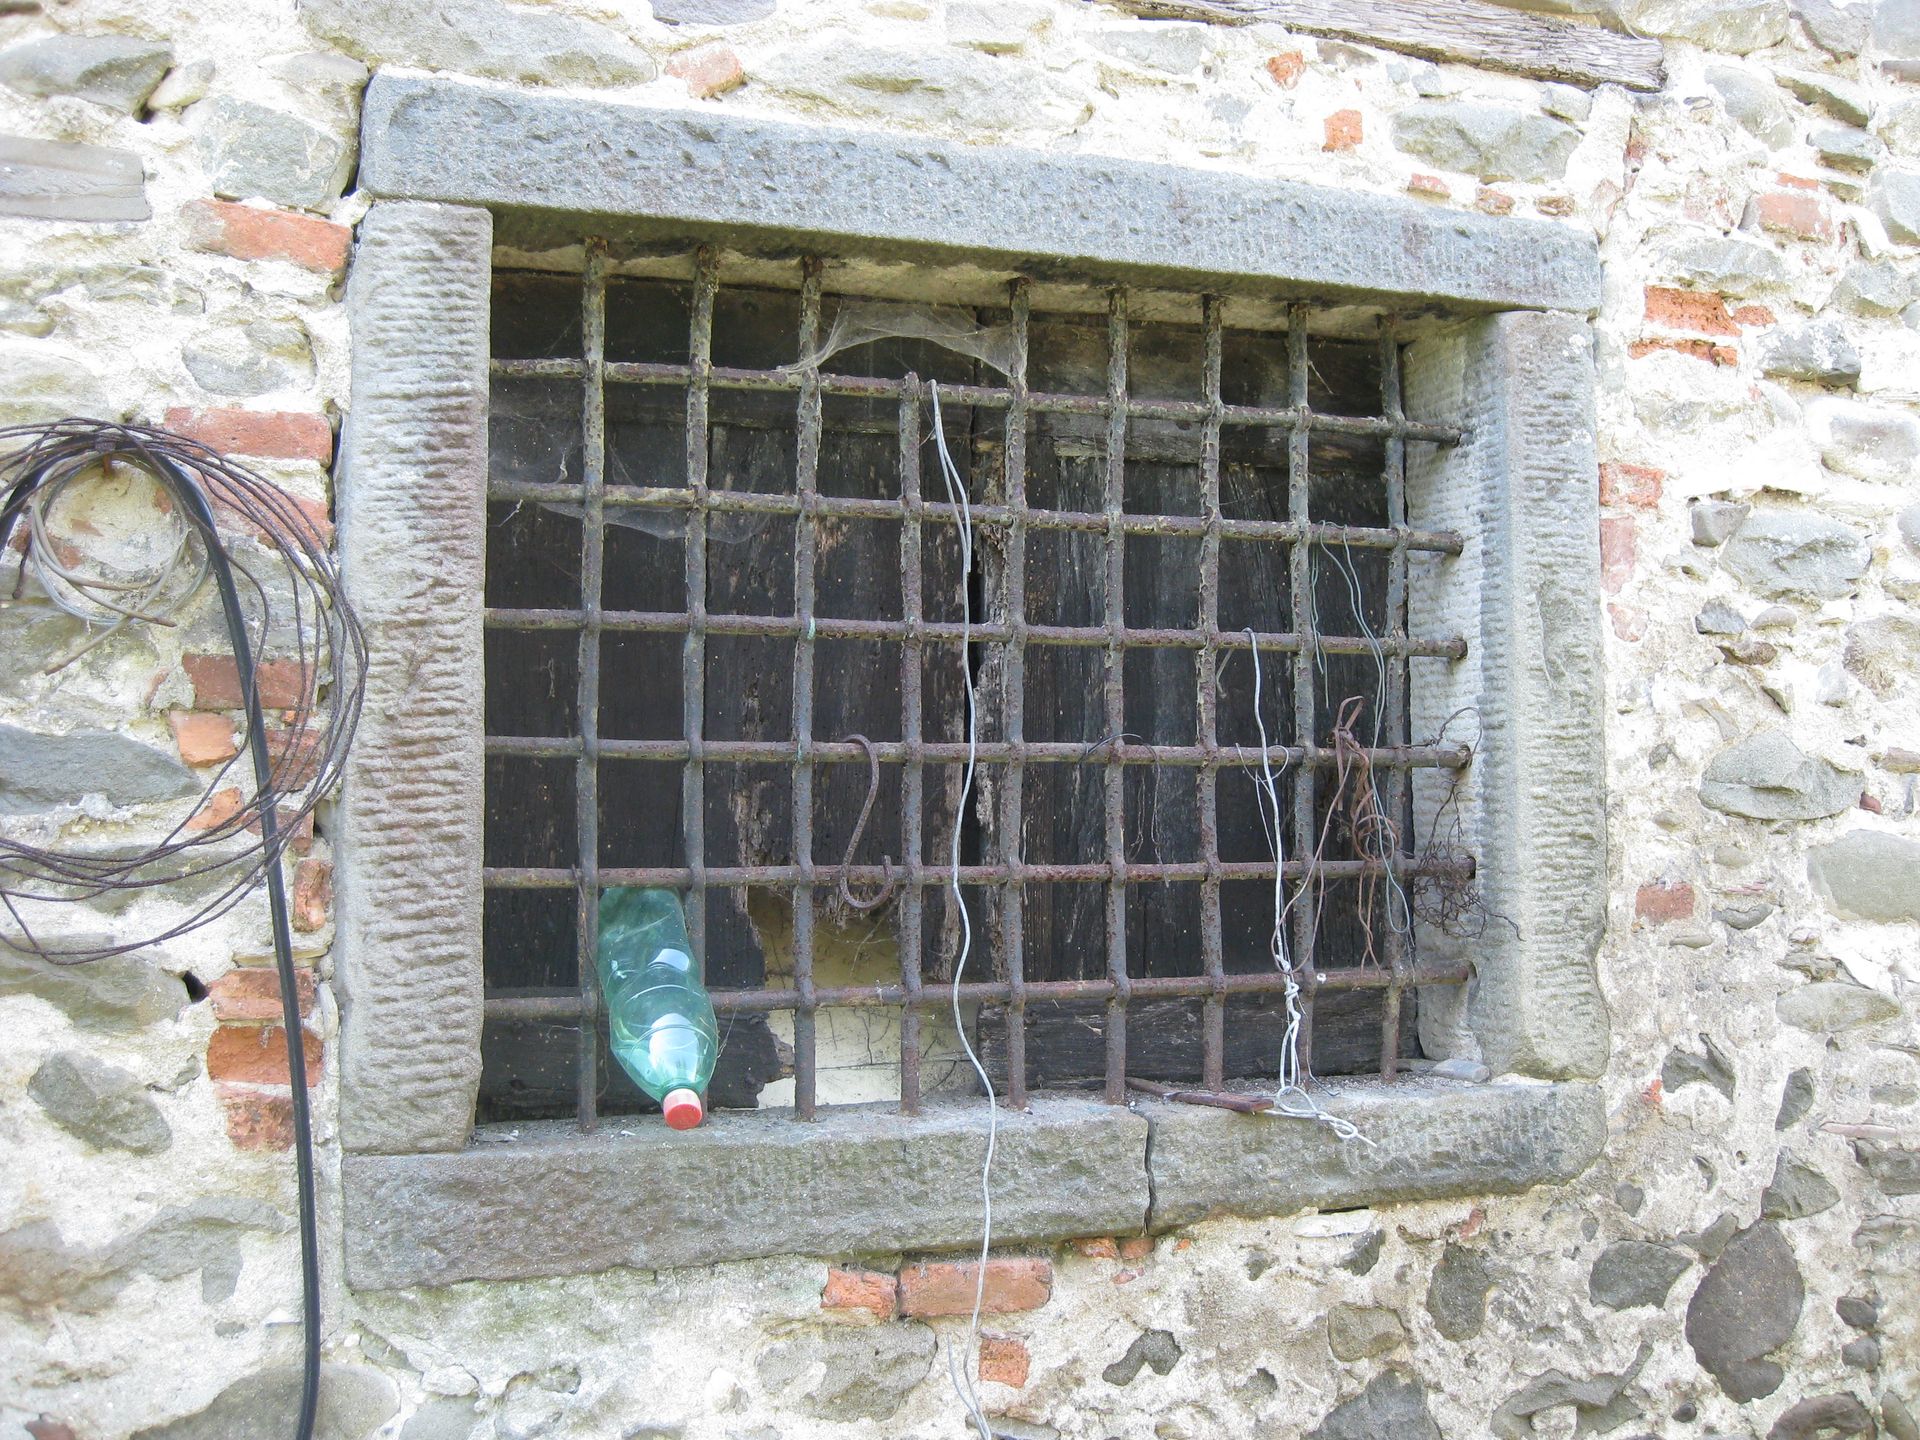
<point x="658" y="1013"/>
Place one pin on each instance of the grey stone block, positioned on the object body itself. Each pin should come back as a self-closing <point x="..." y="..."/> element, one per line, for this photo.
<point x="1822" y="1417"/>
<point x="1490" y="141"/>
<point x="1873" y="442"/>
<point x="412" y="541"/>
<point x="1820" y="352"/>
<point x="684" y="173"/>
<point x="1747" y="1306"/>
<point x="53" y="180"/>
<point x="1768" y="777"/>
<point x="1154" y="1350"/>
<point x="1796" y="1099"/>
<point x="1842" y="99"/>
<point x="1391" y="1405"/>
<point x="848" y="1375"/>
<point x="1827" y="1007"/>
<point x="355" y="1401"/>
<point x="712" y="12"/>
<point x="1732" y="265"/>
<point x="251" y="150"/>
<point x="1457" y="1293"/>
<point x="42" y="772"/>
<point x="1430" y="1140"/>
<point x="1797" y="555"/>
<point x="1869" y="875"/>
<point x="1874" y="286"/>
<point x="1734" y="26"/>
<point x="110" y="70"/>
<point x="120" y="992"/>
<point x="1754" y="105"/>
<point x="857" y="1181"/>
<point x="912" y="86"/>
<point x="1632" y="1272"/>
<point x="503" y="41"/>
<point x="1525" y="594"/>
<point x="1360" y="1332"/>
<point x="1896" y="200"/>
<point x="1796" y="1191"/>
<point x="1839" y="28"/>
<point x="99" y="1103"/>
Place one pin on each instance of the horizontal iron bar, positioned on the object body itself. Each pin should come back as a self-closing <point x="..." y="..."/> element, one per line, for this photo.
<point x="1045" y="752"/>
<point x="1151" y="987"/>
<point x="989" y="397"/>
<point x="529" y="877"/>
<point x="850" y="507"/>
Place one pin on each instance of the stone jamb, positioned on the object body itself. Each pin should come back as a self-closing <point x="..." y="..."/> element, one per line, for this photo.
<point x="448" y="158"/>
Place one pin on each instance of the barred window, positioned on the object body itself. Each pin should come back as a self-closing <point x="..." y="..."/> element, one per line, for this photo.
<point x="725" y="624"/>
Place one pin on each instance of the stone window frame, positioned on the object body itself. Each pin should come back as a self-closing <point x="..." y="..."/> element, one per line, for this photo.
<point x="423" y="1205"/>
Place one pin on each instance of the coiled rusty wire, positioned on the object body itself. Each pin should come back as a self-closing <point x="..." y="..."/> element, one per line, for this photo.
<point x="326" y="643"/>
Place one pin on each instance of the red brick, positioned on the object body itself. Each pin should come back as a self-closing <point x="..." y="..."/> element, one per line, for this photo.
<point x="1286" y="68"/>
<point x="253" y="994"/>
<point x="302" y="518"/>
<point x="708" y="70"/>
<point x="1493" y="202"/>
<point x="247" y="232"/>
<point x="1624" y="484"/>
<point x="869" y="1290"/>
<point x="1753" y="315"/>
<point x="258" y="1118"/>
<point x="1616" y="552"/>
<point x="1799" y="213"/>
<point x="1431" y="186"/>
<point x="295" y="755"/>
<point x="1700" y="311"/>
<point x="203" y="739"/>
<point x="312" y="894"/>
<point x="1797" y="182"/>
<point x="267" y="434"/>
<point x="1871" y="803"/>
<point x="948" y="1289"/>
<point x="220" y="807"/>
<point x="302" y="840"/>
<point x="257" y="1055"/>
<point x="1096" y="1247"/>
<point x="1557" y="205"/>
<point x="1004" y="1360"/>
<point x="1343" y="130"/>
<point x="1693" y="349"/>
<point x="1664" y="902"/>
<point x="1629" y="622"/>
<point x="48" y="1428"/>
<point x="1136" y="1247"/>
<point x="216" y="682"/>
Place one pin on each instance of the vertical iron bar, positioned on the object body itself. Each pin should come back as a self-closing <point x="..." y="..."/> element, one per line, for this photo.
<point x="1014" y="673"/>
<point x="1394" y="722"/>
<point x="805" y="546"/>
<point x="912" y="665"/>
<point x="1306" y="625"/>
<point x="586" y="775"/>
<point x="1214" y="1018"/>
<point x="1116" y="795"/>
<point x="693" y="675"/>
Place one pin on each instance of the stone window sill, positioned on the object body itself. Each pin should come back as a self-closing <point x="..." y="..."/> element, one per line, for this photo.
<point x="866" y="1180"/>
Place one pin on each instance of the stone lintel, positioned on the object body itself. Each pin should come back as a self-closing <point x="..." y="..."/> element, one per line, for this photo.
<point x="637" y="172"/>
<point x="1431" y="1140"/>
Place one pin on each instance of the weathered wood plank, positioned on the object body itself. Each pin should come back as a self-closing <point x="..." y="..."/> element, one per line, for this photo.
<point x="1470" y="31"/>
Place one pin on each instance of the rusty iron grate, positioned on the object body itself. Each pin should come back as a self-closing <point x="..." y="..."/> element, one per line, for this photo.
<point x="696" y="512"/>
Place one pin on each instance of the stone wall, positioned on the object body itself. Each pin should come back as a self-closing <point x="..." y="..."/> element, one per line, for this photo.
<point x="176" y="213"/>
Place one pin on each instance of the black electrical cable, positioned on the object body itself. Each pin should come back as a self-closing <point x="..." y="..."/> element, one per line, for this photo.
<point x="51" y="457"/>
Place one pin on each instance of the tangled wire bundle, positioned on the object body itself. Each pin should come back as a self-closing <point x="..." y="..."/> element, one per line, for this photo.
<point x="230" y="845"/>
<point x="239" y="845"/>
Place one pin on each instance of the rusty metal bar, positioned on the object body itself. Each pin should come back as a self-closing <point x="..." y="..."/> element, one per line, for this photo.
<point x="1395" y="719"/>
<point x="586" y="772"/>
<point x="938" y="752"/>
<point x="1114" y="692"/>
<point x="666" y="622"/>
<point x="806" y="542"/>
<point x="991" y="397"/>
<point x="727" y="877"/>
<point x="856" y="507"/>
<point x="912" y="670"/>
<point x="1013" y="672"/>
<point x="1305" y="624"/>
<point x="564" y="1006"/>
<point x="693" y="671"/>
<point x="1213" y="1026"/>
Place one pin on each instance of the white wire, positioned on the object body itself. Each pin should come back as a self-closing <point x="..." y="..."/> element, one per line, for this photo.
<point x="1291" y="1099"/>
<point x="958" y="1362"/>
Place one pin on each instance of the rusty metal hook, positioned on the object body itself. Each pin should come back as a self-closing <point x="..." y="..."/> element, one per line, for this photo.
<point x="859" y="829"/>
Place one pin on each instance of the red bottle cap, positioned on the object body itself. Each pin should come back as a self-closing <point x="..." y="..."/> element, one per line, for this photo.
<point x="683" y="1109"/>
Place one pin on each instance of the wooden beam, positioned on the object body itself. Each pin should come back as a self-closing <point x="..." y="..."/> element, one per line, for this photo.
<point x="1471" y="31"/>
